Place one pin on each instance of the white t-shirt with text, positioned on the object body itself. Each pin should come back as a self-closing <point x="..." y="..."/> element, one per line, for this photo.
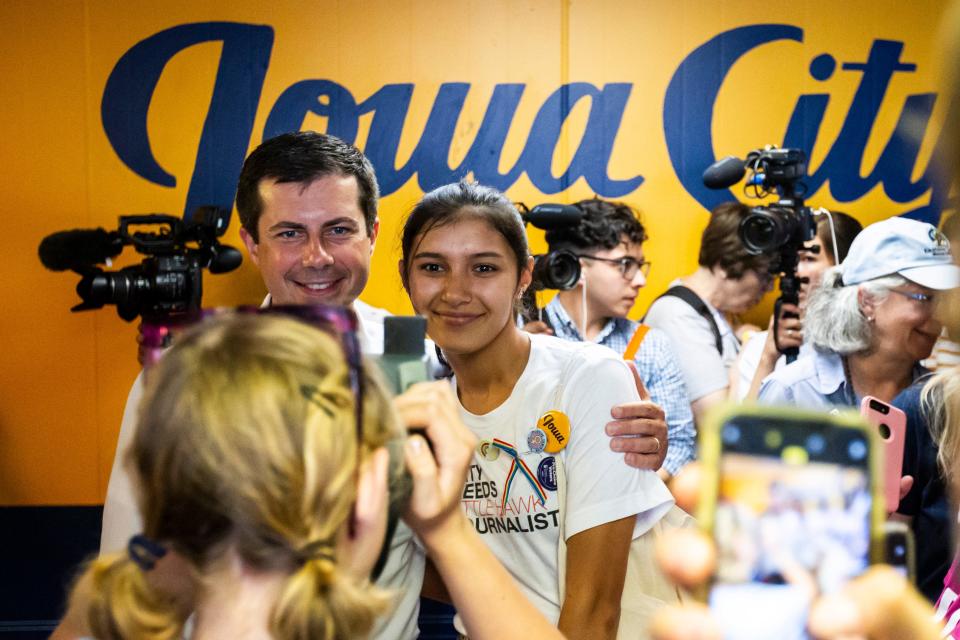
<point x="600" y="488"/>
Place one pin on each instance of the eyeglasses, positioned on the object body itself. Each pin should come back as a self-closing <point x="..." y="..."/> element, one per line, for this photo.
<point x="628" y="265"/>
<point x="922" y="298"/>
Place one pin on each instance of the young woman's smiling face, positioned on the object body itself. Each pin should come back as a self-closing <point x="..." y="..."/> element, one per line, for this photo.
<point x="462" y="277"/>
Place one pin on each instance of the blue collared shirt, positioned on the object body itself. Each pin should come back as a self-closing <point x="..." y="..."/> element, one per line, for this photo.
<point x="815" y="380"/>
<point x="658" y="369"/>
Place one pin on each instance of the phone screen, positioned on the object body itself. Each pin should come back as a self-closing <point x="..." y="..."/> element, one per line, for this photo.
<point x="792" y="522"/>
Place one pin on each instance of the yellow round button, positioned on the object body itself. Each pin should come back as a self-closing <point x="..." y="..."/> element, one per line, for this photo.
<point x="556" y="425"/>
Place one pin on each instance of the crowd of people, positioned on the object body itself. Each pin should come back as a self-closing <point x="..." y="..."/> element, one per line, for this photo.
<point x="260" y="464"/>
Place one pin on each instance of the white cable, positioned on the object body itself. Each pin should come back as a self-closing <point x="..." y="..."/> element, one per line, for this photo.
<point x="583" y="307"/>
<point x="833" y="231"/>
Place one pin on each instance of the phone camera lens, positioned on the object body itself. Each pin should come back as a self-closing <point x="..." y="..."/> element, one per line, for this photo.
<point x="884" y="431"/>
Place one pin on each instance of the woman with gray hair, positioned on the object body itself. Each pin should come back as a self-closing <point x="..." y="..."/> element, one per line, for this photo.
<point x="871" y="320"/>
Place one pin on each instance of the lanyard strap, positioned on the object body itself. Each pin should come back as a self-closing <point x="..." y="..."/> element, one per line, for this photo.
<point x="518" y="467"/>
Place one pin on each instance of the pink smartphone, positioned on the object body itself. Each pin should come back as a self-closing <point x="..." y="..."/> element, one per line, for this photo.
<point x="891" y="424"/>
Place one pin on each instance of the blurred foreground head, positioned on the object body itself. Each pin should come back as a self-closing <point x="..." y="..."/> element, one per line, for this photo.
<point x="247" y="450"/>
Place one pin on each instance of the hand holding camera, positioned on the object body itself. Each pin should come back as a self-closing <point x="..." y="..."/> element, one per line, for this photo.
<point x="434" y="507"/>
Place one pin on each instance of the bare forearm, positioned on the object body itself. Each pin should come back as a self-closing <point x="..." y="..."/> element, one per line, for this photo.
<point x="484" y="587"/>
<point x="586" y="616"/>
<point x="764" y="369"/>
<point x="596" y="570"/>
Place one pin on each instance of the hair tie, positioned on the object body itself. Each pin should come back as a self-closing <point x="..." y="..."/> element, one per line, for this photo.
<point x="316" y="550"/>
<point x="144" y="552"/>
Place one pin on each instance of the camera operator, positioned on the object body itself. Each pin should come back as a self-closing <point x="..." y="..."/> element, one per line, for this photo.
<point x="761" y="353"/>
<point x="868" y="341"/>
<point x="609" y="243"/>
<point x="308" y="206"/>
<point x="694" y="311"/>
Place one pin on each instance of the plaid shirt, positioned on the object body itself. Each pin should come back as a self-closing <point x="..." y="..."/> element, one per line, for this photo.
<point x="658" y="369"/>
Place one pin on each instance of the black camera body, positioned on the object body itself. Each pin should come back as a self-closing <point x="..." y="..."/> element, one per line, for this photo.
<point x="780" y="229"/>
<point x="779" y="167"/>
<point x="167" y="282"/>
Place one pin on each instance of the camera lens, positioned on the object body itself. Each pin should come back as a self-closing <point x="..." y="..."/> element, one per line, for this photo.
<point x="762" y="231"/>
<point x="556" y="270"/>
<point x="105" y="287"/>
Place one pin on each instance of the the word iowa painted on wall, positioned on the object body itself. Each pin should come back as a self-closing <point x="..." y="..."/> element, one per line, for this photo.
<point x="687" y="121"/>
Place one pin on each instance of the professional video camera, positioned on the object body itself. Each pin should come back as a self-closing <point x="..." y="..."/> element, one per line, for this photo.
<point x="555" y="269"/>
<point x="167" y="282"/>
<point x="779" y="229"/>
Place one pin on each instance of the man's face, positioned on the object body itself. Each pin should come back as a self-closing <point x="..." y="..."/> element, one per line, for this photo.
<point x="609" y="293"/>
<point x="313" y="247"/>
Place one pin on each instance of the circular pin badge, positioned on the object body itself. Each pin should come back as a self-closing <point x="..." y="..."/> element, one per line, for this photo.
<point x="536" y="440"/>
<point x="556" y="425"/>
<point x="487" y="451"/>
<point x="547" y="473"/>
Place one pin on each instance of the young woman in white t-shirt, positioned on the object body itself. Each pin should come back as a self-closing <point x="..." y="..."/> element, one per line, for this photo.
<point x="465" y="265"/>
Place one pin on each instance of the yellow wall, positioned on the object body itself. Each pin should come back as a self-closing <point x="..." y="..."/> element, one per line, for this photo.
<point x="64" y="377"/>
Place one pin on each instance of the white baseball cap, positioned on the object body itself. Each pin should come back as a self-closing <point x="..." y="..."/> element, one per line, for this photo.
<point x="910" y="248"/>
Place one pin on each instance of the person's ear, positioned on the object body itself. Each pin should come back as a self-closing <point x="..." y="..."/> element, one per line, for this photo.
<point x="369" y="515"/>
<point x="374" y="232"/>
<point x="867" y="304"/>
<point x="251" y="244"/>
<point x="526" y="275"/>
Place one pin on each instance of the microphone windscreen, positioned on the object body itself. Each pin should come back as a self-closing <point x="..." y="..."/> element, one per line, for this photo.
<point x="78" y="248"/>
<point x="724" y="173"/>
<point x="554" y="216"/>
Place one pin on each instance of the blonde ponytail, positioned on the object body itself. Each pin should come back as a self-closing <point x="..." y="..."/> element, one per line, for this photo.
<point x="248" y="444"/>
<point x="119" y="602"/>
<point x="321" y="602"/>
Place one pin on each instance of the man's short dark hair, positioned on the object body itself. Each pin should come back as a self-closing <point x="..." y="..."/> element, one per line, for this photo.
<point x="720" y="244"/>
<point x="603" y="226"/>
<point x="303" y="156"/>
